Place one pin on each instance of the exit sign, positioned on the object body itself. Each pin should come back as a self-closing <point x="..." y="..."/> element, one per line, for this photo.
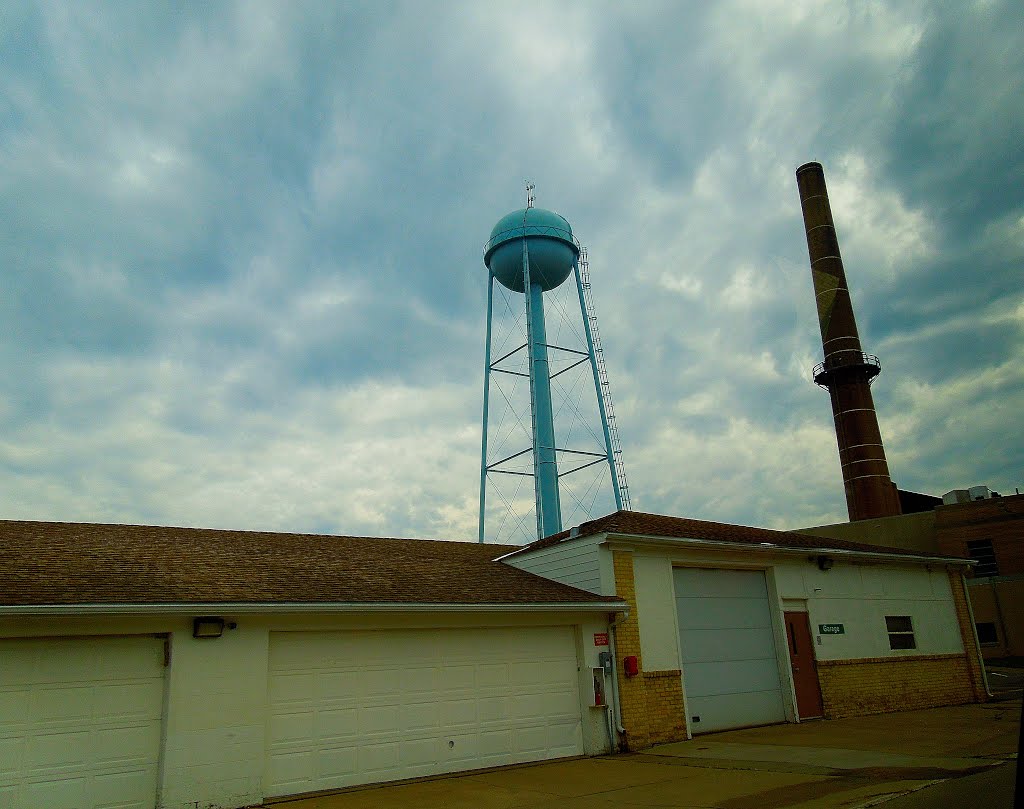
<point x="831" y="629"/>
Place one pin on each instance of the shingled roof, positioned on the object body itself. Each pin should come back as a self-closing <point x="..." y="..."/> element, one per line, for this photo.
<point x="637" y="523"/>
<point x="50" y="563"/>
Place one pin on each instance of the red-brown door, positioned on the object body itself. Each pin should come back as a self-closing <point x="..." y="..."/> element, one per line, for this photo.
<point x="805" y="670"/>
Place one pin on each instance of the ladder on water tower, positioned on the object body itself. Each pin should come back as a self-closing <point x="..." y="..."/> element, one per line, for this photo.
<point x="602" y="375"/>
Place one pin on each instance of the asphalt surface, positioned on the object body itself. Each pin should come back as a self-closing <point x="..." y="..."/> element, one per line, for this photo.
<point x="960" y="756"/>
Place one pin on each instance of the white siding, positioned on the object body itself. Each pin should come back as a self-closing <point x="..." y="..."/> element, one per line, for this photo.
<point x="574" y="562"/>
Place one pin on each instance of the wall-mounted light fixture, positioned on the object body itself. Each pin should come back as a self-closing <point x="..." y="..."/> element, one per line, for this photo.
<point x="825" y="562"/>
<point x="207" y="627"/>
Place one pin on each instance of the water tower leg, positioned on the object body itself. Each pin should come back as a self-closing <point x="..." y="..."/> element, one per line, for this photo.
<point x="487" y="390"/>
<point x="549" y="510"/>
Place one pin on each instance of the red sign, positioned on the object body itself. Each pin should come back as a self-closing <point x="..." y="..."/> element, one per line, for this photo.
<point x="600" y="638"/>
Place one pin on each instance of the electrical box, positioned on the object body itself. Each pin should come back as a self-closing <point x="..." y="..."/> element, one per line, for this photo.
<point x="605" y="659"/>
<point x="630" y="666"/>
<point x="599" y="700"/>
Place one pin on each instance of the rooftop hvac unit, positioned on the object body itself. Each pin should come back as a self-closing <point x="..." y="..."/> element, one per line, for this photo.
<point x="956" y="496"/>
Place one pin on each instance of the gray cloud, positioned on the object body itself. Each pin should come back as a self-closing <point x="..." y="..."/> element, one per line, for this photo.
<point x="243" y="283"/>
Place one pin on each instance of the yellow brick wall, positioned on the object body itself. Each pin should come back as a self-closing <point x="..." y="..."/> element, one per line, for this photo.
<point x="884" y="684"/>
<point x="652" y="702"/>
<point x="666" y="719"/>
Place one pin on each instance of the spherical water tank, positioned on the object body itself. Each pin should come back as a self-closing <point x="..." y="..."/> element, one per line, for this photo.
<point x="552" y="248"/>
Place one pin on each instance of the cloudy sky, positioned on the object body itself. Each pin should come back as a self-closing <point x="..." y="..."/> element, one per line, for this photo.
<point x="240" y="248"/>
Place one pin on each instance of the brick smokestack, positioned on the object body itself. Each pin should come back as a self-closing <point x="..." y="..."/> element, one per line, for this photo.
<point x="847" y="371"/>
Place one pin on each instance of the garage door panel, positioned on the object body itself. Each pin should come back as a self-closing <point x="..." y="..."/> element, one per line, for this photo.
<point x="64" y="794"/>
<point x="707" y="583"/>
<point x="86" y="722"/>
<point x="335" y="682"/>
<point x="455" y="713"/>
<point x="727" y="648"/>
<point x="55" y="751"/>
<point x="462" y="701"/>
<point x="703" y="645"/>
<point x="14" y="707"/>
<point x="729" y="613"/>
<point x="292" y="726"/>
<point x="374" y="758"/>
<point x="720" y="713"/>
<point x="124" y="746"/>
<point x="703" y="679"/>
<point x="382" y="719"/>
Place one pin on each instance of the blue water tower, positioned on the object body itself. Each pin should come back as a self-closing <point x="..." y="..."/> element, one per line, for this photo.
<point x="532" y="251"/>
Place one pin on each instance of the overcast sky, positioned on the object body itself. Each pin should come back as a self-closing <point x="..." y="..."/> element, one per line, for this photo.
<point x="240" y="248"/>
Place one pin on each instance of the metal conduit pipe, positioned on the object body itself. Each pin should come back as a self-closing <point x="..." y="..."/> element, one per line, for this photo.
<point x="974" y="634"/>
<point x="615" y="676"/>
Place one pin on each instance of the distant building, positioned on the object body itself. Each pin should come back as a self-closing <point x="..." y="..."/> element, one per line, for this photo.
<point x="976" y="524"/>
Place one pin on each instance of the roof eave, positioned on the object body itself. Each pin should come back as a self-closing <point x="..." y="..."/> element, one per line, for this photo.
<point x="645" y="539"/>
<point x="526" y="549"/>
<point x="241" y="608"/>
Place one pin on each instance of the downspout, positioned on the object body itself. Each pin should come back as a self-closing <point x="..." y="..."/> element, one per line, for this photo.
<point x="615" y="676"/>
<point x="974" y="634"/>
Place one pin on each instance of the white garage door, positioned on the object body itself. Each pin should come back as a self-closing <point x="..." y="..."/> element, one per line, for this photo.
<point x="357" y="707"/>
<point x="80" y="722"/>
<point x="730" y="668"/>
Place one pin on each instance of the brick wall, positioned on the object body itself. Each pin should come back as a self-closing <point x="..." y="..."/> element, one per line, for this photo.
<point x="884" y="684"/>
<point x="652" y="702"/>
<point x="998" y="519"/>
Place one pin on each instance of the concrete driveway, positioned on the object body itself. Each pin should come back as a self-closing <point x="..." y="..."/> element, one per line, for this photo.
<point x="844" y="763"/>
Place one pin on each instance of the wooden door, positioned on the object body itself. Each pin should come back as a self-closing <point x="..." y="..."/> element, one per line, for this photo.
<point x="805" y="670"/>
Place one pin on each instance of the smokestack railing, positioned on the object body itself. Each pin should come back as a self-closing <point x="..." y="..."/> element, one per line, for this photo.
<point x="842" y="366"/>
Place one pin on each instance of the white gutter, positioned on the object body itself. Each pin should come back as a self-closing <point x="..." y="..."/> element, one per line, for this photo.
<point x="241" y="608"/>
<point x="771" y="547"/>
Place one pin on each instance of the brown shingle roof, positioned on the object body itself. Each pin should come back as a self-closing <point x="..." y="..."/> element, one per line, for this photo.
<point x="85" y="563"/>
<point x="637" y="523"/>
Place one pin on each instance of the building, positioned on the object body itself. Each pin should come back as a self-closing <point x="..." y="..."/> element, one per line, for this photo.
<point x="183" y="667"/>
<point x="732" y="626"/>
<point x="179" y="667"/>
<point x="986" y="528"/>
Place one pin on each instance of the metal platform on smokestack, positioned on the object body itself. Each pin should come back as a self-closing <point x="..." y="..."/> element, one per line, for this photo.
<point x="837" y="369"/>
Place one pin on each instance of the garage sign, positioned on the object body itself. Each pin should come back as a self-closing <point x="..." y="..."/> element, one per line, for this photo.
<point x="831" y="629"/>
<point x="600" y="638"/>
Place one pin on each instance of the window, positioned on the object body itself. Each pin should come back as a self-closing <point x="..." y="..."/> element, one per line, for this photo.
<point x="981" y="551"/>
<point x="901" y="632"/>
<point x="987" y="633"/>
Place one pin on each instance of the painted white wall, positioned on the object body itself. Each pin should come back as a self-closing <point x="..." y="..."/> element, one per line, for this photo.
<point x="857" y="595"/>
<point x="659" y="635"/>
<point x="215" y="718"/>
<point x="216" y="709"/>
<point x="574" y="562"/>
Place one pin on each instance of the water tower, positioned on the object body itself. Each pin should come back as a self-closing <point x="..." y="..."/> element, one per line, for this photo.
<point x="531" y="252"/>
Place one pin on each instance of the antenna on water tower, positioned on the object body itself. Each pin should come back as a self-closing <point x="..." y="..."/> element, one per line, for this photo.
<point x="533" y="251"/>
